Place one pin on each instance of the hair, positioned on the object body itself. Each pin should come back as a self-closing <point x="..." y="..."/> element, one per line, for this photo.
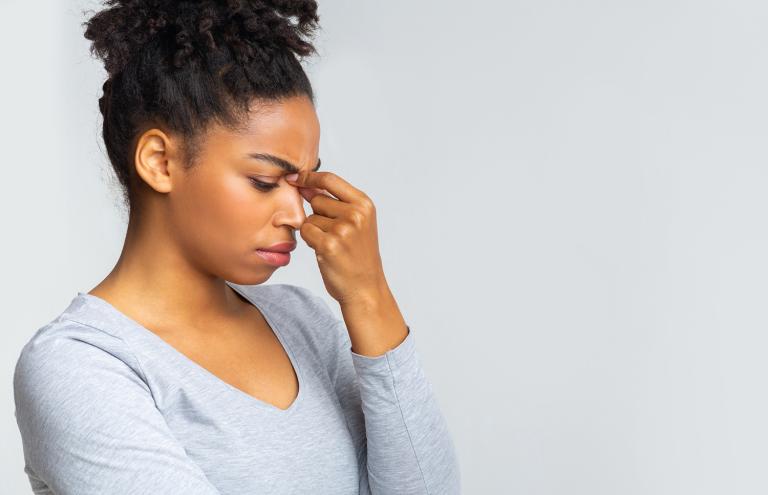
<point x="183" y="65"/>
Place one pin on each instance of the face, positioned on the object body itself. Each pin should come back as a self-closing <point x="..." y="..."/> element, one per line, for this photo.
<point x="231" y="203"/>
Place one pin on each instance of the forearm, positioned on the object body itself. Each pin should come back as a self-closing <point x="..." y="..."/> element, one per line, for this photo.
<point x="374" y="321"/>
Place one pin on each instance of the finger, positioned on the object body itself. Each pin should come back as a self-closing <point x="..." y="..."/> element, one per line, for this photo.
<point x="330" y="182"/>
<point x="312" y="234"/>
<point x="310" y="192"/>
<point x="328" y="206"/>
<point x="322" y="222"/>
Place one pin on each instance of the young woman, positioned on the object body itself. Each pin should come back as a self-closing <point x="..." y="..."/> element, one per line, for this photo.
<point x="180" y="372"/>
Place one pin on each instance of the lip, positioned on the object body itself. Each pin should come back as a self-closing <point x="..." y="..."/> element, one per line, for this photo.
<point x="280" y="247"/>
<point x="274" y="258"/>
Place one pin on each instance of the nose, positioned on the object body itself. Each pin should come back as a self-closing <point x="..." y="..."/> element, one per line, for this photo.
<point x="291" y="210"/>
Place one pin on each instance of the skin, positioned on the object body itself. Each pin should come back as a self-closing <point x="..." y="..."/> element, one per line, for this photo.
<point x="201" y="227"/>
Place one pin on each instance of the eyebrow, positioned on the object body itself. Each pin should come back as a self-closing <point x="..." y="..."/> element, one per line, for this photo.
<point x="279" y="162"/>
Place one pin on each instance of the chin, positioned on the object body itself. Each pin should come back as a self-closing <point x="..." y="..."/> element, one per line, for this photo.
<point x="249" y="279"/>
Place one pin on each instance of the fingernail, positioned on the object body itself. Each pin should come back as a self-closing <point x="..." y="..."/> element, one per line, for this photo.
<point x="291" y="177"/>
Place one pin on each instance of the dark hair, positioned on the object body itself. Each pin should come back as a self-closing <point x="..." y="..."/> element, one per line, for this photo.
<point x="184" y="64"/>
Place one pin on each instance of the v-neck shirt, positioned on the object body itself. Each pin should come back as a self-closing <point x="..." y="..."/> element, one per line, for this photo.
<point x="105" y="405"/>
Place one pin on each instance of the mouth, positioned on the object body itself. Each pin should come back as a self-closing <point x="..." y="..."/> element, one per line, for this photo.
<point x="280" y="247"/>
<point x="274" y="257"/>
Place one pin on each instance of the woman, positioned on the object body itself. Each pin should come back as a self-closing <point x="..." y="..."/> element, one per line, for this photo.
<point x="181" y="373"/>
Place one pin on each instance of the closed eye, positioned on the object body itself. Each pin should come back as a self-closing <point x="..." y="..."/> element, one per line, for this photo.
<point x="262" y="186"/>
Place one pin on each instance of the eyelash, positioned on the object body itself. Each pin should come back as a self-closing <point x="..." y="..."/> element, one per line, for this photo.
<point x="262" y="186"/>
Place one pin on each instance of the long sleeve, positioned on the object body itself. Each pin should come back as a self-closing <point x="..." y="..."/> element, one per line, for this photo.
<point x="89" y="424"/>
<point x="404" y="440"/>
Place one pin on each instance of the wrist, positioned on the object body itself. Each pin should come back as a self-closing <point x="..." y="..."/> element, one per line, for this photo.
<point x="368" y="299"/>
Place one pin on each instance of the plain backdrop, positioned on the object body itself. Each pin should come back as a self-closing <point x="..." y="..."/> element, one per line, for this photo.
<point x="572" y="215"/>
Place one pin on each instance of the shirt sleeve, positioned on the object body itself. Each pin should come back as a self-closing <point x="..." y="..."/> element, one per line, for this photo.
<point x="89" y="424"/>
<point x="404" y="443"/>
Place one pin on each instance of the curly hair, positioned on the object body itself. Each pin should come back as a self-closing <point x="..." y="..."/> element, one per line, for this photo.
<point x="186" y="64"/>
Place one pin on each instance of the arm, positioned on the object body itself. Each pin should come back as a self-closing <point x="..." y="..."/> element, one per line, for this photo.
<point x="396" y="420"/>
<point x="408" y="447"/>
<point x="89" y="424"/>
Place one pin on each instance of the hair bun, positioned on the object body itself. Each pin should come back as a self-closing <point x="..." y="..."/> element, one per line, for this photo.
<point x="190" y="30"/>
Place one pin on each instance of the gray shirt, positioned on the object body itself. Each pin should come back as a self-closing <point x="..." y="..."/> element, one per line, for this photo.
<point x="105" y="406"/>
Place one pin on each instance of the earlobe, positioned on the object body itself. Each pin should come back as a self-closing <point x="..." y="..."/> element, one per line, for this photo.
<point x="152" y="158"/>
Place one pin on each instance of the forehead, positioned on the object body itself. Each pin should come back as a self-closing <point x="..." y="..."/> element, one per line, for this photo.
<point x="285" y="127"/>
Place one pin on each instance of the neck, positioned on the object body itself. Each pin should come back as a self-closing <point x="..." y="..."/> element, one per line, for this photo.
<point x="161" y="284"/>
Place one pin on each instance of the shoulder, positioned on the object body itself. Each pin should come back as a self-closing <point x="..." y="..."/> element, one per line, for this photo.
<point x="63" y="356"/>
<point x="63" y="341"/>
<point x="88" y="419"/>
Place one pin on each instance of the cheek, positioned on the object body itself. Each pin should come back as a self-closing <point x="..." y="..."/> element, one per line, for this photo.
<point x="224" y="209"/>
<point x="232" y="195"/>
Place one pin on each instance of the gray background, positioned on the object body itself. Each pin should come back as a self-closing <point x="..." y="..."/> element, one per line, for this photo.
<point x="571" y="200"/>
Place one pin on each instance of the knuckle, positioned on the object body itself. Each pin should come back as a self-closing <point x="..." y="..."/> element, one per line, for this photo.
<point x="322" y="179"/>
<point x="357" y="217"/>
<point x="367" y="203"/>
<point x="343" y="230"/>
<point x="331" y="244"/>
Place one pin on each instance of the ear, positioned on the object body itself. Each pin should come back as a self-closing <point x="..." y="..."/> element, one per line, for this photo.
<point x="155" y="158"/>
